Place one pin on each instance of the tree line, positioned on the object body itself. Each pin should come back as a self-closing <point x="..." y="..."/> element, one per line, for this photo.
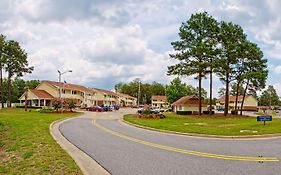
<point x="13" y="61"/>
<point x="208" y="47"/>
<point x="175" y="90"/>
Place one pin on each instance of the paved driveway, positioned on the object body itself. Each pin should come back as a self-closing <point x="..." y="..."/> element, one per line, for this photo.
<point x="123" y="149"/>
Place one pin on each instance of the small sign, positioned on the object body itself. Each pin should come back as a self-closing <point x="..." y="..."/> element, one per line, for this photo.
<point x="264" y="119"/>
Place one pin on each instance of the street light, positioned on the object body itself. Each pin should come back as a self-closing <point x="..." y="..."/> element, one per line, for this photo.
<point x="60" y="86"/>
<point x="138" y="80"/>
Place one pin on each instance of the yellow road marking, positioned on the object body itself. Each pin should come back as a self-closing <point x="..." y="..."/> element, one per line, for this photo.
<point x="190" y="152"/>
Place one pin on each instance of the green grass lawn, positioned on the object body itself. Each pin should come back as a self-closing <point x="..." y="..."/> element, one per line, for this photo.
<point x="27" y="147"/>
<point x="211" y="126"/>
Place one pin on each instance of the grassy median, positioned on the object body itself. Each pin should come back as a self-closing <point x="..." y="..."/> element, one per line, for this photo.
<point x="27" y="147"/>
<point x="232" y="126"/>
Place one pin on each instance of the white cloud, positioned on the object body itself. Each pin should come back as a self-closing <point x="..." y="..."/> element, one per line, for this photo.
<point x="105" y="42"/>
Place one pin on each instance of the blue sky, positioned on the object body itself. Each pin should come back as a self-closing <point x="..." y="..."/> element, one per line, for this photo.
<point x="106" y="42"/>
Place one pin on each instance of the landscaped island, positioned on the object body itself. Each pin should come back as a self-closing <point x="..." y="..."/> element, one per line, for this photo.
<point x="27" y="147"/>
<point x="210" y="125"/>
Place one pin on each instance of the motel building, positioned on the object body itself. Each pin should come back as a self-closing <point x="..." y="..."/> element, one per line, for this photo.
<point x="48" y="91"/>
<point x="159" y="101"/>
<point x="250" y="103"/>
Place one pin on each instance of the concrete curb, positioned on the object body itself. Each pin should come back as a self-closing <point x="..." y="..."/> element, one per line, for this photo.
<point x="245" y="137"/>
<point x="87" y="165"/>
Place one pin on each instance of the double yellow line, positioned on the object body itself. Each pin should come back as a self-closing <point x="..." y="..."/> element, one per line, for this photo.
<point x="183" y="151"/>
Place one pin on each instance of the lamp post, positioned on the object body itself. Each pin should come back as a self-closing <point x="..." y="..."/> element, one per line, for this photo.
<point x="60" y="86"/>
<point x="138" y="80"/>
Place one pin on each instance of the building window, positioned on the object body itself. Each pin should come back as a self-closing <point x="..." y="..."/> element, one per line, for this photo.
<point x="180" y="107"/>
<point x="63" y="91"/>
<point x="74" y="92"/>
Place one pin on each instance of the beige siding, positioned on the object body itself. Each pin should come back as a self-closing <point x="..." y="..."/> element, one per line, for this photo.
<point x="250" y="101"/>
<point x="189" y="108"/>
<point x="30" y="95"/>
<point x="49" y="88"/>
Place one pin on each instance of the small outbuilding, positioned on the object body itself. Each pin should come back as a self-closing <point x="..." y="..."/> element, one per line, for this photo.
<point x="188" y="103"/>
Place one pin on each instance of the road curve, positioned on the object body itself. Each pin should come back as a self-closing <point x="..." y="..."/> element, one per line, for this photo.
<point x="123" y="149"/>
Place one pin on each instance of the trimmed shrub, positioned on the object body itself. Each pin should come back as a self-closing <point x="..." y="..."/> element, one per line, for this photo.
<point x="184" y="112"/>
<point x="30" y="107"/>
<point x="208" y="112"/>
<point x="234" y="112"/>
<point x="146" y="112"/>
<point x="46" y="110"/>
<point x="57" y="105"/>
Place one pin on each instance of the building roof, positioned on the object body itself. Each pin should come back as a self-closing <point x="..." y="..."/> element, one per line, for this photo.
<point x="69" y="86"/>
<point x="186" y="100"/>
<point x="125" y="95"/>
<point x="106" y="91"/>
<point x="159" y="97"/>
<point x="233" y="98"/>
<point x="41" y="94"/>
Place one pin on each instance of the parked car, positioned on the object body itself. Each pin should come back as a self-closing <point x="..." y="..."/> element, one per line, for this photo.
<point x="220" y="109"/>
<point x="116" y="107"/>
<point x="154" y="110"/>
<point x="95" y="108"/>
<point x="106" y="108"/>
<point x="139" y="110"/>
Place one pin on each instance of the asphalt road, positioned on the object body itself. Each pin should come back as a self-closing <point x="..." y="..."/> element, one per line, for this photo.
<point x="123" y="149"/>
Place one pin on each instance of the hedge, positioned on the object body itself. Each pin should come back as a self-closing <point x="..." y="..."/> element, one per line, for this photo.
<point x="30" y="107"/>
<point x="208" y="112"/>
<point x="234" y="112"/>
<point x="184" y="112"/>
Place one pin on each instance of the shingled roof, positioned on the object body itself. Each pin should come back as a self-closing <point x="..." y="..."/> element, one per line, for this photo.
<point x="232" y="98"/>
<point x="69" y="86"/>
<point x="159" y="97"/>
<point x="187" y="100"/>
<point x="41" y="94"/>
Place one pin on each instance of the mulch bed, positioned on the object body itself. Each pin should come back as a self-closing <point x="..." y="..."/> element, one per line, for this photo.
<point x="150" y="117"/>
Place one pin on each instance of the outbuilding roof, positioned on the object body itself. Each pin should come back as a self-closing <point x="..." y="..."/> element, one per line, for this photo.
<point x="187" y="100"/>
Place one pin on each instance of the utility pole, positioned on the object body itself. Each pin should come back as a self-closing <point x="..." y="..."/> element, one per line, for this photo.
<point x="60" y="85"/>
<point x="138" y="80"/>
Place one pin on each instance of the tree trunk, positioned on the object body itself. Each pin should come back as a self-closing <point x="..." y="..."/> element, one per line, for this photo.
<point x="211" y="91"/>
<point x="226" y="95"/>
<point x="9" y="90"/>
<point x="200" y="99"/>
<point x="244" y="94"/>
<point x="1" y="86"/>
<point x="237" y="91"/>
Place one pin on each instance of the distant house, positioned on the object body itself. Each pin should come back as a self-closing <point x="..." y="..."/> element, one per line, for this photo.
<point x="188" y="103"/>
<point x="250" y="103"/>
<point x="159" y="101"/>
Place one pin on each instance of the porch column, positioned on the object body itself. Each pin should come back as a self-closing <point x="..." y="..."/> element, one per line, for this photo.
<point x="44" y="102"/>
<point x="38" y="102"/>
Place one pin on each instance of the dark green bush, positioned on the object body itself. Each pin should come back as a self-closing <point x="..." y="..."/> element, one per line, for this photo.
<point x="30" y="107"/>
<point x="146" y="112"/>
<point x="208" y="112"/>
<point x="184" y="112"/>
<point x="234" y="112"/>
<point x="46" y="110"/>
